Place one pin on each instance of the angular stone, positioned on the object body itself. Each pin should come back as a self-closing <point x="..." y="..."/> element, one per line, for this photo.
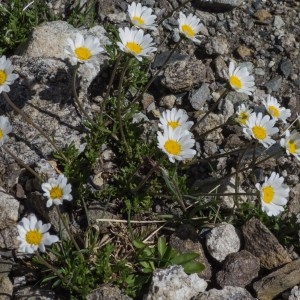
<point x="8" y="238"/>
<point x="222" y="241"/>
<point x="243" y="51"/>
<point x="200" y="96"/>
<point x="9" y="209"/>
<point x="276" y="282"/>
<point x="239" y="269"/>
<point x="33" y="293"/>
<point x="261" y="242"/>
<point x="173" y="283"/>
<point x="107" y="292"/>
<point x="219" y="5"/>
<point x="184" y="75"/>
<point x="286" y="67"/>
<point x="274" y="84"/>
<point x="227" y="293"/>
<point x="262" y="15"/>
<point x="217" y="45"/>
<point x="185" y="240"/>
<point x="6" y="288"/>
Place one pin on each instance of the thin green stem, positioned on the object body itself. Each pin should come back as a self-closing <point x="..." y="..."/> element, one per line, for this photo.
<point x="76" y="98"/>
<point x="30" y="122"/>
<point x="21" y="163"/>
<point x="54" y="270"/>
<point x="119" y="104"/>
<point x="67" y="228"/>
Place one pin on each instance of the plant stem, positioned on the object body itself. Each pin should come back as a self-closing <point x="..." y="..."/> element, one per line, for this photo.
<point x="78" y="103"/>
<point x="119" y="104"/>
<point x="54" y="270"/>
<point x="21" y="163"/>
<point x="67" y="228"/>
<point x="29" y="121"/>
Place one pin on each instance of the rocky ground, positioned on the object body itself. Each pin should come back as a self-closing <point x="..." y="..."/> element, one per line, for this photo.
<point x="246" y="262"/>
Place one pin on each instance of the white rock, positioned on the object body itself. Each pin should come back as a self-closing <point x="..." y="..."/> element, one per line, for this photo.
<point x="222" y="240"/>
<point x="9" y="209"/>
<point x="173" y="283"/>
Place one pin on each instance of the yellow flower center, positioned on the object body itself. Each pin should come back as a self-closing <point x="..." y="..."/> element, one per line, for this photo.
<point x="172" y="147"/>
<point x="83" y="53"/>
<point x="268" y="194"/>
<point x="291" y="146"/>
<point x="134" y="47"/>
<point x="56" y="192"/>
<point x="235" y="82"/>
<point x="187" y="30"/>
<point x="274" y="111"/>
<point x="3" y="77"/>
<point x="33" y="237"/>
<point x="173" y="124"/>
<point x="243" y="117"/>
<point x="137" y="21"/>
<point x="1" y="134"/>
<point x="259" y="132"/>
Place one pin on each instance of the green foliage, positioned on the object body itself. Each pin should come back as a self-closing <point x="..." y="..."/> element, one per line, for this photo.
<point x="16" y="23"/>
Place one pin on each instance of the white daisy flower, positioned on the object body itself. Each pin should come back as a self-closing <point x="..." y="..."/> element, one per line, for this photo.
<point x="175" y="118"/>
<point x="57" y="190"/>
<point x="141" y="16"/>
<point x="240" y="79"/>
<point x="6" y="76"/>
<point x="260" y="128"/>
<point x="273" y="194"/>
<point x="189" y="26"/>
<point x="243" y="114"/>
<point x="275" y="110"/>
<point x="5" y="129"/>
<point x="134" y="42"/>
<point x="33" y="235"/>
<point x="176" y="143"/>
<point x="291" y="143"/>
<point x="83" y="50"/>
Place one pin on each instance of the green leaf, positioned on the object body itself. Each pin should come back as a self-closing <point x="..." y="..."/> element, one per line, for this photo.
<point x="161" y="246"/>
<point x="193" y="267"/>
<point x="184" y="258"/>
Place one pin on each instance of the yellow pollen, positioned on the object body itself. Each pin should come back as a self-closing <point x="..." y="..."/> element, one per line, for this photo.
<point x="173" y="124"/>
<point x="268" y="194"/>
<point x="243" y="117"/>
<point x="274" y="111"/>
<point x="187" y="30"/>
<point x="33" y="237"/>
<point x="83" y="53"/>
<point x="291" y="146"/>
<point x="172" y="147"/>
<point x="3" y="77"/>
<point x="56" y="192"/>
<point x="1" y="134"/>
<point x="259" y="132"/>
<point x="134" y="47"/>
<point x="235" y="82"/>
<point x="137" y="21"/>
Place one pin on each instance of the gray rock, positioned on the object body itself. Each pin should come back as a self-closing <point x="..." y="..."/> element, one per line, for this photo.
<point x="226" y="108"/>
<point x="186" y="240"/>
<point x="295" y="293"/>
<point x="173" y="283"/>
<point x="260" y="241"/>
<point x="278" y="281"/>
<point x="209" y="123"/>
<point x="107" y="292"/>
<point x="227" y="293"/>
<point x="33" y="293"/>
<point x="200" y="96"/>
<point x="219" y="66"/>
<point x="210" y="148"/>
<point x="6" y="288"/>
<point x="274" y="84"/>
<point x="286" y="67"/>
<point x="222" y="241"/>
<point x="160" y="58"/>
<point x="168" y="101"/>
<point x="278" y="22"/>
<point x="237" y="98"/>
<point x="239" y="269"/>
<point x="9" y="209"/>
<point x="217" y="45"/>
<point x="184" y="75"/>
<point x="220" y="5"/>
<point x="8" y="238"/>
